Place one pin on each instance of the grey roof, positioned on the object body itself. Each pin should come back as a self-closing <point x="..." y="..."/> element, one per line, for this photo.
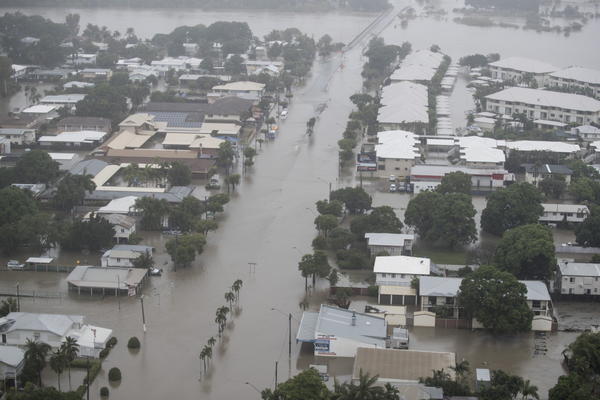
<point x="15" y="131"/>
<point x="547" y="169"/>
<point x="89" y="167"/>
<point x="388" y="239"/>
<point x="120" y="219"/>
<point x="101" y="277"/>
<point x="308" y="324"/>
<point x="134" y="247"/>
<point x="536" y="290"/>
<point x="174" y="195"/>
<point x="338" y="321"/>
<point x="173" y="107"/>
<point x="229" y="105"/>
<point x="438" y="286"/>
<point x="84" y="121"/>
<point x="179" y="119"/>
<point x="11" y="355"/>
<point x="568" y="268"/>
<point x="58" y="324"/>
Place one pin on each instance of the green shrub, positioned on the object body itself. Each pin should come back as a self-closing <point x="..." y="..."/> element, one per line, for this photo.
<point x="112" y="342"/>
<point x="114" y="374"/>
<point x="319" y="243"/>
<point x="104" y="352"/>
<point x="104" y="391"/>
<point x="133" y="343"/>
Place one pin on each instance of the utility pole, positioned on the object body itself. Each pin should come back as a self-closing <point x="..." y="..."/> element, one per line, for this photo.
<point x="143" y="315"/>
<point x="87" y="366"/>
<point x="276" y="362"/>
<point x="329" y="191"/>
<point x="18" y="298"/>
<point x="117" y="291"/>
<point x="174" y="261"/>
<point x="290" y="335"/>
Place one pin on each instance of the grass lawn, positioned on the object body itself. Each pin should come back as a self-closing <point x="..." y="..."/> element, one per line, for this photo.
<point x="441" y="256"/>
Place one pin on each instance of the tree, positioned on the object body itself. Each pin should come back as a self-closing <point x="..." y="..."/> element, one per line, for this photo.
<point x="455" y="182"/>
<point x="225" y="156"/>
<point x="235" y="65"/>
<point x="237" y="285"/>
<point x="334" y="207"/>
<point x="233" y="181"/>
<point x="356" y="199"/>
<point x="496" y="299"/>
<point x="325" y="223"/>
<point x="307" y="385"/>
<point x="502" y="386"/>
<point x="7" y="306"/>
<point x="587" y="233"/>
<point x="221" y="318"/>
<point x="380" y="219"/>
<point x="216" y="202"/>
<point x="183" y="249"/>
<point x="35" y="357"/>
<point x="36" y="166"/>
<point x="527" y="252"/>
<point x="249" y="154"/>
<point x="94" y="234"/>
<point x="153" y="212"/>
<point x="204" y="226"/>
<point x="186" y="215"/>
<point x="58" y="363"/>
<point x="553" y="186"/>
<point x="518" y="204"/>
<point x="144" y="260"/>
<point x="585" y="189"/>
<point x="314" y="265"/>
<point x="179" y="174"/>
<point x="529" y="391"/>
<point x="71" y="191"/>
<point x="339" y="238"/>
<point x="442" y="379"/>
<point x="333" y="278"/>
<point x="70" y="349"/>
<point x="230" y="298"/>
<point x="104" y="101"/>
<point x="571" y="387"/>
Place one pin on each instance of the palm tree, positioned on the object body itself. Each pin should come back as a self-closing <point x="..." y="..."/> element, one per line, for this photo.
<point x="35" y="355"/>
<point x="528" y="390"/>
<point x="208" y="353"/>
<point x="221" y="318"/>
<point x="230" y="297"/>
<point x="70" y="348"/>
<point x="237" y="285"/>
<point x="203" y="357"/>
<point x="461" y="369"/>
<point x="58" y="362"/>
<point x="212" y="341"/>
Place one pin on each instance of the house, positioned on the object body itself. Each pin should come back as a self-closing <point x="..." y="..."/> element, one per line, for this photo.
<point x="243" y="89"/>
<point x="587" y="133"/>
<point x="96" y="73"/>
<point x="82" y="59"/>
<point x="75" y="124"/>
<point x="394" y="276"/>
<point x="521" y="70"/>
<point x="124" y="226"/>
<point x="98" y="280"/>
<point x="535" y="173"/>
<point x="140" y="75"/>
<point x="81" y="139"/>
<point x="122" y="206"/>
<point x="125" y="63"/>
<point x="577" y="278"/>
<point x="205" y="142"/>
<point x="18" y="327"/>
<point x="18" y="136"/>
<point x="40" y="112"/>
<point x="12" y="361"/>
<point x="532" y="146"/>
<point x="62" y="100"/>
<point x="397" y="152"/>
<point x="337" y="332"/>
<point x="394" y="244"/>
<point x="576" y="78"/>
<point x="481" y="179"/>
<point x="135" y="131"/>
<point x="78" y="85"/>
<point x="404" y="105"/>
<point x="194" y="159"/>
<point x="538" y="104"/>
<point x="476" y="152"/>
<point x="272" y="68"/>
<point x="122" y="255"/>
<point x="5" y="146"/>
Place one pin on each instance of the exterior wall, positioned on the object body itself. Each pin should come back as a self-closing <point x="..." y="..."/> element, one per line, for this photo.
<point x="534" y="179"/>
<point x="393" y="279"/>
<point x="9" y="371"/>
<point x="391" y="250"/>
<point x="394" y="166"/>
<point x="424" y="318"/>
<point x="19" y="338"/>
<point x="511" y="74"/>
<point x="338" y="347"/>
<point x="541" y="323"/>
<point x="116" y="262"/>
<point x="548" y="113"/>
<point x="27" y="138"/>
<point x="555" y="217"/>
<point x="579" y="285"/>
<point x="122" y="232"/>
<point x="540" y="307"/>
<point x="481" y="164"/>
<point x="570" y="83"/>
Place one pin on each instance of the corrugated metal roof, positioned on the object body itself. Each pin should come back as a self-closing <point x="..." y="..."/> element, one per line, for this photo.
<point x="308" y="324"/>
<point x="402" y="265"/>
<point x="438" y="286"/>
<point x="570" y="268"/>
<point x="336" y="321"/>
<point x="388" y="239"/>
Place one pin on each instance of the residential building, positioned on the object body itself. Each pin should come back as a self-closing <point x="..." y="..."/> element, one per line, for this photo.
<point x="243" y="89"/>
<point x="521" y="70"/>
<point x="75" y="124"/>
<point x="18" y="327"/>
<point x="82" y="59"/>
<point x="397" y="152"/>
<point x="96" y="73"/>
<point x="338" y="332"/>
<point x="557" y="213"/>
<point x="394" y="244"/>
<point x="538" y="104"/>
<point x="194" y="159"/>
<point x="135" y="131"/>
<point x="62" y="100"/>
<point x="404" y="105"/>
<point x="140" y="75"/>
<point x="399" y="270"/>
<point x="81" y="139"/>
<point x="532" y="146"/>
<point x="40" y="112"/>
<point x="535" y="173"/>
<point x="116" y="281"/>
<point x="5" y="145"/>
<point x="272" y="68"/>
<point x="122" y="255"/>
<point x="208" y="143"/>
<point x="587" y="133"/>
<point x="12" y="361"/>
<point x="121" y="206"/>
<point x="577" y="278"/>
<point x="475" y="152"/>
<point x="78" y="85"/>
<point x="576" y="78"/>
<point x="103" y="195"/>
<point x="18" y="136"/>
<point x="418" y="66"/>
<point x="124" y="226"/>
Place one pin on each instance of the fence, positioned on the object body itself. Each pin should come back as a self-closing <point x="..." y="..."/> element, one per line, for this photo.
<point x="11" y="291"/>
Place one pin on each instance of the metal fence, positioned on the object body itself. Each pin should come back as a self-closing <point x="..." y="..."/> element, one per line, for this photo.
<point x="11" y="291"/>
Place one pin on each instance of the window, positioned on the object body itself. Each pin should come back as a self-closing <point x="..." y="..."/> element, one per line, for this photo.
<point x="433" y="300"/>
<point x="36" y="336"/>
<point x="384" y="275"/>
<point x="450" y="301"/>
<point x="536" y="304"/>
<point x="393" y="275"/>
<point x="572" y="280"/>
<point x="118" y="260"/>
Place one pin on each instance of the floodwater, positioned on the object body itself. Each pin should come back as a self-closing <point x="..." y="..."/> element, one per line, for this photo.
<point x="270" y="222"/>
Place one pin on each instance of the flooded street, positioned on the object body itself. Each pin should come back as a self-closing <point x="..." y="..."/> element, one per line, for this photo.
<point x="270" y="222"/>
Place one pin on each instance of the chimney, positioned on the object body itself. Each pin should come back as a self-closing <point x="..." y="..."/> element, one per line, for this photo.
<point x="353" y="318"/>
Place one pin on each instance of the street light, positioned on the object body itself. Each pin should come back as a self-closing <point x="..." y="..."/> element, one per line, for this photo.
<point x="289" y="315"/>
<point x="254" y="387"/>
<point x="143" y="315"/>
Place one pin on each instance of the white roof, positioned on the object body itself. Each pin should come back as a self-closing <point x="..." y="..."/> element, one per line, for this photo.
<point x="404" y="102"/>
<point x="547" y="98"/>
<point x="580" y="74"/>
<point x="484" y="120"/>
<point x="440" y="142"/>
<point x="61" y="156"/>
<point x="241" y="86"/>
<point x="436" y="171"/>
<point x="39" y="260"/>
<point x="536" y="290"/>
<point x="58" y="324"/>
<point x="549" y="123"/>
<point x="75" y="137"/>
<point x="397" y="144"/>
<point x="39" y="109"/>
<point x="439" y="286"/>
<point x="11" y="355"/>
<point x="596" y="145"/>
<point x="412" y="73"/>
<point x="388" y="239"/>
<point x="169" y="61"/>
<point x="572" y="208"/>
<point x="570" y="268"/>
<point x="122" y="205"/>
<point x="524" y="65"/>
<point x="63" y="98"/>
<point x="402" y="265"/>
<point x="89" y="336"/>
<point x="482" y="155"/>
<point x="588" y="129"/>
<point x="539" y="145"/>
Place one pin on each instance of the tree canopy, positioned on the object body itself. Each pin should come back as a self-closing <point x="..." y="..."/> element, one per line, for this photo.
<point x="183" y="249"/>
<point x="356" y="200"/>
<point x="36" y="166"/>
<point x="455" y="182"/>
<point x="93" y="234"/>
<point x="71" y="191"/>
<point x="496" y="299"/>
<point x="527" y="252"/>
<point x="380" y="219"/>
<point x="587" y="233"/>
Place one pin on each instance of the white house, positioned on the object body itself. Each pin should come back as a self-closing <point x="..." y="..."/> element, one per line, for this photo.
<point x="404" y="105"/>
<point x="124" y="226"/>
<point x="243" y="89"/>
<point x="577" y="278"/>
<point x="418" y="66"/>
<point x="576" y="78"/>
<point x="394" y="244"/>
<point x="399" y="270"/>
<point x="338" y="332"/>
<point x="87" y="139"/>
<point x="519" y="68"/>
<point x="428" y="177"/>
<point x="587" y="133"/>
<point x="556" y="213"/>
<point x="62" y="100"/>
<point x="12" y="361"/>
<point x="96" y="73"/>
<point x="18" y="136"/>
<point x="17" y="327"/>
<point x="540" y="104"/>
<point x="397" y="152"/>
<point x="122" y="255"/>
<point x="535" y="173"/>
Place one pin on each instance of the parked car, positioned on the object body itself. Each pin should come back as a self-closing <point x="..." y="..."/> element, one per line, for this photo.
<point x="393" y="188"/>
<point x="283" y="114"/>
<point x="214" y="183"/>
<point x="156" y="272"/>
<point x="14" y="264"/>
<point x="392" y="178"/>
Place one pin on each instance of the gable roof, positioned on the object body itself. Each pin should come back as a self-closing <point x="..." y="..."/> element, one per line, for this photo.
<point x="439" y="286"/>
<point x="402" y="265"/>
<point x="570" y="268"/>
<point x="388" y="239"/>
<point x="58" y="324"/>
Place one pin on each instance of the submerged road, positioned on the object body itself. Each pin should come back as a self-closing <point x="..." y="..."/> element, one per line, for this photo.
<point x="268" y="222"/>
